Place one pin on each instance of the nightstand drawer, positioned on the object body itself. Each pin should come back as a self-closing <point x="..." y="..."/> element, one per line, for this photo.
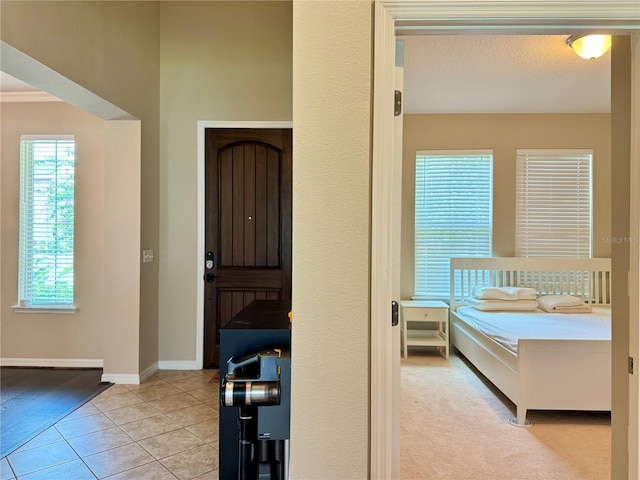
<point x="425" y="314"/>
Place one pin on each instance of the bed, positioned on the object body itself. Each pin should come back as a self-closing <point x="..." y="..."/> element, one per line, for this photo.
<point x="538" y="371"/>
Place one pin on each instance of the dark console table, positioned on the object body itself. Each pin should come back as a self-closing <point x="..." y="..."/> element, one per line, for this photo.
<point x="261" y="325"/>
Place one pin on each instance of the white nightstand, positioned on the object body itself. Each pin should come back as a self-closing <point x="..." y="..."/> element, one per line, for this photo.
<point x="428" y="311"/>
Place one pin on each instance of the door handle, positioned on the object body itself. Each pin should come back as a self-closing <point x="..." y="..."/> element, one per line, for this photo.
<point x="210" y="277"/>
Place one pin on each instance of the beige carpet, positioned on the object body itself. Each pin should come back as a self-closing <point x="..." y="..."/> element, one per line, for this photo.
<point x="454" y="426"/>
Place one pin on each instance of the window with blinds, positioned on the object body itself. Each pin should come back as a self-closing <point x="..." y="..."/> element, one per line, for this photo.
<point x="453" y="214"/>
<point x="553" y="203"/>
<point x="45" y="269"/>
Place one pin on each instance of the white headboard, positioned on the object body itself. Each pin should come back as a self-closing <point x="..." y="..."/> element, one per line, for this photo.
<point x="588" y="278"/>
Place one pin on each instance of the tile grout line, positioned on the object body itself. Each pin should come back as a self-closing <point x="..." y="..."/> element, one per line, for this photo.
<point x="160" y="382"/>
<point x="76" y="452"/>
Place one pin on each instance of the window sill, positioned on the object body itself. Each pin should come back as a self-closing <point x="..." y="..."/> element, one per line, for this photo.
<point x="66" y="309"/>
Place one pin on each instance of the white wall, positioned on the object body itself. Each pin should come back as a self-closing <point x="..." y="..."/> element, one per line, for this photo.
<point x="122" y="253"/>
<point x="205" y="76"/>
<point x="58" y="337"/>
<point x="107" y="61"/>
<point x="504" y="134"/>
<point x="331" y="230"/>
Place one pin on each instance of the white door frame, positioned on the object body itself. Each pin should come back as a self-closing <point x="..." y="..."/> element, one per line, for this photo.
<point x="201" y="138"/>
<point x="634" y="261"/>
<point x="459" y="17"/>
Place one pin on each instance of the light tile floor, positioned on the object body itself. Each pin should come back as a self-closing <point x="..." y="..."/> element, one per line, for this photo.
<point x="164" y="428"/>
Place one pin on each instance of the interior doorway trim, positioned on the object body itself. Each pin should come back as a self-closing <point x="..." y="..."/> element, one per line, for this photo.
<point x="202" y="127"/>
<point x="452" y="17"/>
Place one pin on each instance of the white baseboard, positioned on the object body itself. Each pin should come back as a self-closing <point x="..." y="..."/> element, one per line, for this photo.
<point x="177" y="365"/>
<point x="121" y="378"/>
<point x="52" y="362"/>
<point x="130" y="378"/>
<point x="147" y="372"/>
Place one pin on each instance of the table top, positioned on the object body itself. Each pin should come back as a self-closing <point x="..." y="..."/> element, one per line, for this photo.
<point x="423" y="304"/>
<point x="262" y="314"/>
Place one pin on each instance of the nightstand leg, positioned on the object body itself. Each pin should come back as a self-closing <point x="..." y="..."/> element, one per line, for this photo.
<point x="446" y="339"/>
<point x="404" y="337"/>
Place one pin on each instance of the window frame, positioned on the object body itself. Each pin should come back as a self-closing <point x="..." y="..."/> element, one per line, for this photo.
<point x="64" y="201"/>
<point x="422" y="289"/>
<point x="541" y="192"/>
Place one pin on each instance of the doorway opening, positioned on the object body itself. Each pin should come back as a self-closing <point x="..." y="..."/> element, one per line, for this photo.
<point x="121" y="227"/>
<point x="509" y="19"/>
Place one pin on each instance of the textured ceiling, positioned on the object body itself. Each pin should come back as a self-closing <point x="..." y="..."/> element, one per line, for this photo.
<point x="502" y="74"/>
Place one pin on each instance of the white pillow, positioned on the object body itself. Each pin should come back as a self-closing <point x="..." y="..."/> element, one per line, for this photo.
<point x="504" y="293"/>
<point x="503" y="305"/>
<point x="563" y="303"/>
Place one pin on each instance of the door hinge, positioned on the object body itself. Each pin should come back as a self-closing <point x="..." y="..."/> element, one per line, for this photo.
<point x="397" y="103"/>
<point x="394" y="313"/>
<point x="631" y="365"/>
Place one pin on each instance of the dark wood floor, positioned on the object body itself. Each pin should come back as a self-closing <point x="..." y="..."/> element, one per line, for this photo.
<point x="33" y="399"/>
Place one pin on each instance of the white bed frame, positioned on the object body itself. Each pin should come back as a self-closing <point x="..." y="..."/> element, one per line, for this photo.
<point x="545" y="374"/>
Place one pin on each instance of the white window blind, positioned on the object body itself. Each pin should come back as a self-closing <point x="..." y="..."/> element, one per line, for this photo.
<point x="453" y="214"/>
<point x="45" y="269"/>
<point x="553" y="203"/>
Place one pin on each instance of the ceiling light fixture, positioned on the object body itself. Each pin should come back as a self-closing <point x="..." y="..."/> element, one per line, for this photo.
<point x="589" y="46"/>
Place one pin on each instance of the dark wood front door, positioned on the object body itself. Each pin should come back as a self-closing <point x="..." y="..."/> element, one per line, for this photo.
<point x="248" y="225"/>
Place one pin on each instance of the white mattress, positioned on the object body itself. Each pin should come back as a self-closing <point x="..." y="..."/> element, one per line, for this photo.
<point x="507" y="327"/>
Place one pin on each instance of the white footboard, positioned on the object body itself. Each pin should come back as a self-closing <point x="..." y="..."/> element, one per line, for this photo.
<point x="545" y="375"/>
<point x="563" y="375"/>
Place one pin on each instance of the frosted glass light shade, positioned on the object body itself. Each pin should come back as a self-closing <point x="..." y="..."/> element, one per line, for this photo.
<point x="589" y="46"/>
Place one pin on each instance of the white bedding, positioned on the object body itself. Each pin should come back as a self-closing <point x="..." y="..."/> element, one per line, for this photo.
<point x="503" y="305"/>
<point x="507" y="327"/>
